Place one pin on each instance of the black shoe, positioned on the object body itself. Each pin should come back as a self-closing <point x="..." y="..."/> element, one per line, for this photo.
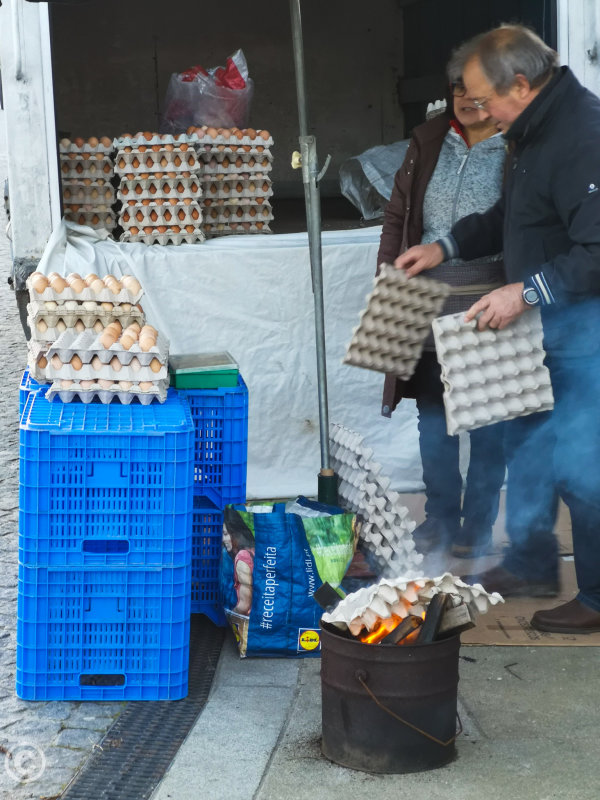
<point x="505" y="583"/>
<point x="571" y="617"/>
<point x="433" y="534"/>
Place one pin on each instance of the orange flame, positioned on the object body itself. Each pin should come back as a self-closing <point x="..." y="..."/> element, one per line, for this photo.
<point x="381" y="631"/>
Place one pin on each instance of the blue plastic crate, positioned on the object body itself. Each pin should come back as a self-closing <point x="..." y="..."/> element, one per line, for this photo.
<point x="103" y="634"/>
<point x="207" y="538"/>
<point x="220" y="417"/>
<point x="28" y="384"/>
<point x="106" y="485"/>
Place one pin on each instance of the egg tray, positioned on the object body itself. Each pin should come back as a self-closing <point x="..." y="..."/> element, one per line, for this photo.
<point x="104" y="296"/>
<point x="366" y="608"/>
<point x="86" y="148"/>
<point x="87" y="344"/>
<point x="162" y="202"/>
<point x="238" y="158"/>
<point x="165" y="215"/>
<point x="56" y="320"/>
<point x="79" y="169"/>
<point x="223" y="229"/>
<point x="234" y="189"/>
<point x="88" y="194"/>
<point x="228" y="214"/>
<point x="151" y="161"/>
<point x="106" y="372"/>
<point x="392" y="329"/>
<point x="156" y="139"/>
<point x="163" y="238"/>
<point x="119" y="311"/>
<point x="152" y="188"/>
<point x="218" y="168"/>
<point x="206" y="151"/>
<point x="145" y="396"/>
<point x="245" y="140"/>
<point x="92" y="219"/>
<point x="491" y="375"/>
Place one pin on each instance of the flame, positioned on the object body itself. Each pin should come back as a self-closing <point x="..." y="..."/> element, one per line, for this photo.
<point x="381" y="631"/>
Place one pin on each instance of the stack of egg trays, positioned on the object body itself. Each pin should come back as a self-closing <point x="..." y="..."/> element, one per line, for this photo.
<point x="491" y="375"/>
<point x="159" y="189"/>
<point x="236" y="182"/>
<point x="88" y="194"/>
<point x="96" y="367"/>
<point x="393" y="327"/>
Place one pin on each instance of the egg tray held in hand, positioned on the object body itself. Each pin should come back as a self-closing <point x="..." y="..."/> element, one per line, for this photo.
<point x="153" y="188"/>
<point x="55" y="288"/>
<point x="238" y="213"/>
<point x="236" y="166"/>
<point x="173" y="238"/>
<point x="234" y="189"/>
<point x="160" y="214"/>
<point x="226" y="229"/>
<point x="106" y="392"/>
<point x="89" y="194"/>
<point x="491" y="375"/>
<point x="136" y="162"/>
<point x="79" y="168"/>
<point x="392" y="329"/>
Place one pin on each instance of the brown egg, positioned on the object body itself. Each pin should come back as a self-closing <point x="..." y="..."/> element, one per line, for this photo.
<point x="98" y="326"/>
<point x="42" y="362"/>
<point x="265" y="135"/>
<point x="79" y="142"/>
<point x="41" y="326"/>
<point x="93" y="142"/>
<point x="125" y="385"/>
<point x="79" y="326"/>
<point x="106" y="142"/>
<point x="155" y="365"/>
<point x="135" y="326"/>
<point x="58" y="284"/>
<point x="115" y="326"/>
<point x="126" y="341"/>
<point x="77" y="285"/>
<point x="212" y="132"/>
<point x="66" y="383"/>
<point x="39" y="282"/>
<point x="103" y="383"/>
<point x="97" y="286"/>
<point x="145" y="386"/>
<point x="60" y="326"/>
<point x="135" y="365"/>
<point x="76" y="362"/>
<point x="189" y="131"/>
<point x="134" y="231"/>
<point x="96" y="363"/>
<point x="146" y="342"/>
<point x="116" y="364"/>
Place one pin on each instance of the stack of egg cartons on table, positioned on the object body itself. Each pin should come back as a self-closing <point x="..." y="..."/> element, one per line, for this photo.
<point x="87" y="170"/>
<point x="159" y="189"/>
<point x="236" y="182"/>
<point x="89" y="339"/>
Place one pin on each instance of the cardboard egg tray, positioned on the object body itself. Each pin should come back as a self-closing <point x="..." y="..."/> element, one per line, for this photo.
<point x="103" y="296"/>
<point x="235" y="188"/>
<point x="159" y="214"/>
<point x="206" y="151"/>
<point x="59" y="319"/>
<point x="237" y="158"/>
<point x="88" y="194"/>
<point x="136" y="162"/>
<point x="85" y="148"/>
<point x="238" y="166"/>
<point x="154" y="140"/>
<point x="133" y="372"/>
<point x="238" y="213"/>
<point x="491" y="375"/>
<point x="232" y="140"/>
<point x="153" y="188"/>
<point x="163" y="238"/>
<point x="88" y="393"/>
<point x="392" y="329"/>
<point x="80" y="168"/>
<point x="92" y="219"/>
<point x="226" y="229"/>
<point x="87" y="344"/>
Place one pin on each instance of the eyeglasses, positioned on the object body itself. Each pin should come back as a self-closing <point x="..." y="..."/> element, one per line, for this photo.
<point x="481" y="104"/>
<point x="458" y="88"/>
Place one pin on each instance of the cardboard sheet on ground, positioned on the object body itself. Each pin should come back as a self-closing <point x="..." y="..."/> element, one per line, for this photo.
<point x="252" y="296"/>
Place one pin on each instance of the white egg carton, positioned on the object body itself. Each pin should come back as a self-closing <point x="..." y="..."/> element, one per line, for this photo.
<point x="86" y="148"/>
<point x="92" y="219"/>
<point x="162" y="202"/>
<point x="392" y="329"/>
<point x="135" y="162"/>
<point x="234" y="190"/>
<point x="103" y="296"/>
<point x="226" y="229"/>
<point x="232" y="140"/>
<point x="156" y="139"/>
<point x="88" y="194"/>
<point x="87" y="372"/>
<point x="80" y="168"/>
<point x="88" y="393"/>
<point x="152" y="188"/>
<point x="221" y="170"/>
<point x="153" y="214"/>
<point x="387" y="529"/>
<point x="87" y="344"/>
<point x="491" y="375"/>
<point x="206" y="151"/>
<point x="365" y="609"/>
<point x="47" y="325"/>
<point x="238" y="213"/>
<point x="239" y="159"/>
<point x="164" y="238"/>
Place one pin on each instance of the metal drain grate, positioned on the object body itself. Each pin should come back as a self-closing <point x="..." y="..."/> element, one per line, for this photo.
<point x="138" y="749"/>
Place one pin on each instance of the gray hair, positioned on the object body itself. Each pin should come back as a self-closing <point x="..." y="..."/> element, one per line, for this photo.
<point x="504" y="53"/>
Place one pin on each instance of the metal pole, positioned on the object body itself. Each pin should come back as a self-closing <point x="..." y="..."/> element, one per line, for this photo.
<point x="310" y="176"/>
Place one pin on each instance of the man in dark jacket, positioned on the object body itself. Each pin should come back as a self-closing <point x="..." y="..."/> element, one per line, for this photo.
<point x="548" y="224"/>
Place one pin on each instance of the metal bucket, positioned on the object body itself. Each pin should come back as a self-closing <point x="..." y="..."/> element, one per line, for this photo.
<point x="389" y="709"/>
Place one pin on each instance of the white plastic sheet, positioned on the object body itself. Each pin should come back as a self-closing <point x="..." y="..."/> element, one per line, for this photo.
<point x="252" y="295"/>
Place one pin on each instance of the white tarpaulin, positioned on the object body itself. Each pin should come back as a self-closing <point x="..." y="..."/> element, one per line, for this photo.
<point x="252" y="295"/>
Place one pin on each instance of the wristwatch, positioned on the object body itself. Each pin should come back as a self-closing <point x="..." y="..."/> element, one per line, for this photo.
<point x="531" y="296"/>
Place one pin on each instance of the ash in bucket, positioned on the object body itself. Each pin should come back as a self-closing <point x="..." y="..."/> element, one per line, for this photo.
<point x="389" y="672"/>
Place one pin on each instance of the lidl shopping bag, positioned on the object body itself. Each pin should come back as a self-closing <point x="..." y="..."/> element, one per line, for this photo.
<point x="272" y="563"/>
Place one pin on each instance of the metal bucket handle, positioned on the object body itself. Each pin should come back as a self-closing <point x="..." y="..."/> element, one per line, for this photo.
<point x="361" y="676"/>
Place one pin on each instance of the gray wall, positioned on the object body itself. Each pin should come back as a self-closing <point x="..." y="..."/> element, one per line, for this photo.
<point x="112" y="62"/>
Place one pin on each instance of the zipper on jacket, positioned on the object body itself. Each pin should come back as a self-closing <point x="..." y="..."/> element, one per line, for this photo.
<point x="460" y="173"/>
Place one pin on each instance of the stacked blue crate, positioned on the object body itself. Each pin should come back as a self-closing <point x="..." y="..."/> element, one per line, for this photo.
<point x="220" y="418"/>
<point x="104" y="550"/>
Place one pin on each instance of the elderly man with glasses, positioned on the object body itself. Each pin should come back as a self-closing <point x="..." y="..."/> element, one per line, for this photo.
<point x="547" y="222"/>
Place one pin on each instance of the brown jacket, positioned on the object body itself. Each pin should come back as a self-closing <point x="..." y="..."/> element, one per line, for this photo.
<point x="403" y="219"/>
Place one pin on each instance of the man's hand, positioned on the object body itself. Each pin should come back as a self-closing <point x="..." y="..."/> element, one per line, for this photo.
<point x="498" y="308"/>
<point x="420" y="257"/>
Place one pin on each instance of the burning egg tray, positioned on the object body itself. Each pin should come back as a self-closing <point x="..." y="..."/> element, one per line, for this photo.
<point x="152" y="188"/>
<point x="393" y="327"/>
<point x="159" y="214"/>
<point x="205" y="140"/>
<point x="80" y="169"/>
<point x="491" y="375"/>
<point x="234" y="190"/>
<point x="226" y="229"/>
<point x="88" y="194"/>
<point x="136" y="162"/>
<point x="163" y="238"/>
<point x="104" y="296"/>
<point x="157" y="139"/>
<point x="368" y="607"/>
<point x="238" y="213"/>
<point x="86" y="395"/>
<point x="386" y="533"/>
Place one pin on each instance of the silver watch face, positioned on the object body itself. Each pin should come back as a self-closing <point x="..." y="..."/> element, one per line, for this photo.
<point x="530" y="296"/>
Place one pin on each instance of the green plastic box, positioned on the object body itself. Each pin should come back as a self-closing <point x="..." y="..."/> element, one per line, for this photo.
<point x="203" y="371"/>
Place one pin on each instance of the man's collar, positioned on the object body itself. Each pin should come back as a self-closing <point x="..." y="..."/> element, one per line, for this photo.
<point x="531" y="117"/>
